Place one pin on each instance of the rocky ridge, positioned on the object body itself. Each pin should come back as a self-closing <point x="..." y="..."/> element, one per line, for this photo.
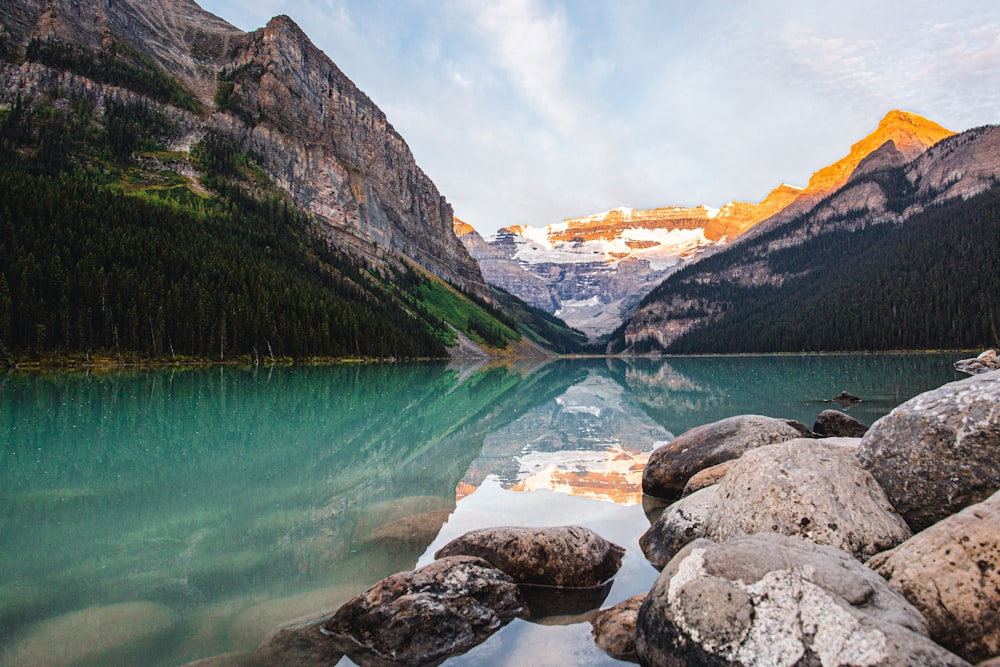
<point x="878" y="191"/>
<point x="322" y="139"/>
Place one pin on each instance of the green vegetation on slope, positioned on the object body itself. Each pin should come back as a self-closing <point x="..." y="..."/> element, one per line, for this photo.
<point x="100" y="256"/>
<point x="117" y="64"/>
<point x="539" y="326"/>
<point x="929" y="283"/>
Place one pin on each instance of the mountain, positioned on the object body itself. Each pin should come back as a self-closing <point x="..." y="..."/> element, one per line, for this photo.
<point x="898" y="256"/>
<point x="159" y="110"/>
<point x="592" y="271"/>
<point x="899" y="138"/>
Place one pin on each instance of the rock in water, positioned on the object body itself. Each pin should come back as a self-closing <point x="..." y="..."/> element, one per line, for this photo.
<point x="984" y="363"/>
<point x="951" y="573"/>
<point x="774" y="600"/>
<point x="301" y="644"/>
<point x="809" y="489"/>
<point x="560" y="556"/>
<point x="671" y="466"/>
<point x="424" y="616"/>
<point x="939" y="452"/>
<point x="679" y="525"/>
<point x="614" y="629"/>
<point x="834" y="423"/>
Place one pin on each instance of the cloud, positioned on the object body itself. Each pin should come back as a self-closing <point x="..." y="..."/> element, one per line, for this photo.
<point x="528" y="111"/>
<point x="532" y="46"/>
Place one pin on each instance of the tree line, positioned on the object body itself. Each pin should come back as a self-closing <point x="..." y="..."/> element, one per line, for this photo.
<point x="86" y="265"/>
<point x="928" y="283"/>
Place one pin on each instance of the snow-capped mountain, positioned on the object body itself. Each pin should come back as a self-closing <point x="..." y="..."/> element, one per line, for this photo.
<point x="591" y="271"/>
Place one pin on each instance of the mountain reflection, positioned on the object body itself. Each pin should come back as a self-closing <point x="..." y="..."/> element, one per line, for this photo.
<point x="592" y="441"/>
<point x="241" y="499"/>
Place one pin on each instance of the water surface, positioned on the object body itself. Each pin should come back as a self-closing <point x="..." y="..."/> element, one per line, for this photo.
<point x="207" y="507"/>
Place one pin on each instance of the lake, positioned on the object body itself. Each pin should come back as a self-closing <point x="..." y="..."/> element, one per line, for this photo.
<point x="157" y="517"/>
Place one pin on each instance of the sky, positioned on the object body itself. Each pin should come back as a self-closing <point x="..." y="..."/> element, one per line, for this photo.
<point x="526" y="112"/>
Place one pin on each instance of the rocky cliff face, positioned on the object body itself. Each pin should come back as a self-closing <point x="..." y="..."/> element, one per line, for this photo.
<point x="885" y="188"/>
<point x="321" y="139"/>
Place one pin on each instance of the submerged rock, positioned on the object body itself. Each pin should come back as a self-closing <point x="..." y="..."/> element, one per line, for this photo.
<point x="773" y="600"/>
<point x="558" y="556"/>
<point x="304" y="644"/>
<point x="614" y="629"/>
<point x="951" y="573"/>
<point x="939" y="452"/>
<point x="424" y="616"/>
<point x="809" y="489"/>
<point x="671" y="466"/>
<point x="834" y="423"/>
<point x="111" y="633"/>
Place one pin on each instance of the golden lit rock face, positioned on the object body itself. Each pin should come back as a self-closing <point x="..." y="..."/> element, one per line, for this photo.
<point x="911" y="136"/>
<point x="462" y="228"/>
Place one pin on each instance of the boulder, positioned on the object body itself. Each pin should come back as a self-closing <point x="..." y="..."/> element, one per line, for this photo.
<point x="680" y="524"/>
<point x="708" y="477"/>
<point x="951" y="573"/>
<point x="558" y="556"/>
<point x="837" y="424"/>
<point x="768" y="599"/>
<point x="614" y="628"/>
<point x="809" y="489"/>
<point x="424" y="616"/>
<point x="671" y="466"/>
<point x="939" y="452"/>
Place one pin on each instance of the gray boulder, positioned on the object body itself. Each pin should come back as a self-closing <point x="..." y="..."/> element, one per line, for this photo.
<point x="680" y="524"/>
<point x="834" y="423"/>
<point x="671" y="466"/>
<point x="424" y="616"/>
<point x="614" y="628"/>
<point x="939" y="452"/>
<point x="951" y="573"/>
<point x="571" y="556"/>
<point x="773" y="600"/>
<point x="809" y="489"/>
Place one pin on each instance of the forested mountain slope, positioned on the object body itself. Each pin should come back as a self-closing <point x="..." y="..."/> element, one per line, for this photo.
<point x="171" y="187"/>
<point x="780" y="274"/>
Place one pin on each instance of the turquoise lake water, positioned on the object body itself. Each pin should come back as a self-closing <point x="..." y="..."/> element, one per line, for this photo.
<point x="160" y="517"/>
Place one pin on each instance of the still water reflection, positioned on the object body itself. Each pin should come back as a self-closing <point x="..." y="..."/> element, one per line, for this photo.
<point x="194" y="511"/>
